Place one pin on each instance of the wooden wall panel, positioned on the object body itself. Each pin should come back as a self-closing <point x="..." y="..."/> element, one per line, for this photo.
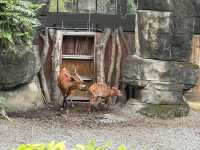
<point x="83" y="67"/>
<point x="78" y="45"/>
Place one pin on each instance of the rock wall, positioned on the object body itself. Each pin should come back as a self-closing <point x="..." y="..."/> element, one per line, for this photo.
<point x="160" y="67"/>
<point x="19" y="86"/>
<point x="18" y="68"/>
<point x="24" y="98"/>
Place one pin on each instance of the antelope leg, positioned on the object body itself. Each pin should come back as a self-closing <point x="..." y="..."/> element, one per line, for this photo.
<point x="65" y="101"/>
<point x="71" y="101"/>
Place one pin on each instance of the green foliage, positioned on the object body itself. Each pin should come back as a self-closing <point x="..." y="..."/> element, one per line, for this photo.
<point x="122" y="147"/>
<point x="131" y="6"/>
<point x="50" y="146"/>
<point x="62" y="5"/>
<point x="92" y="146"/>
<point x="18" y="21"/>
<point x="61" y="146"/>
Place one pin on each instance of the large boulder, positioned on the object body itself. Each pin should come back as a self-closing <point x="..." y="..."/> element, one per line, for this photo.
<point x="160" y="35"/>
<point x="18" y="68"/>
<point x="159" y="82"/>
<point x="136" y="68"/>
<point x="196" y="4"/>
<point x="159" y="5"/>
<point x="169" y="111"/>
<point x="25" y="98"/>
<point x="177" y="7"/>
<point x="197" y="25"/>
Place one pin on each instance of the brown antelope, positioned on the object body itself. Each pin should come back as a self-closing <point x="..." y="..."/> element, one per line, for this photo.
<point x="67" y="83"/>
<point x="101" y="90"/>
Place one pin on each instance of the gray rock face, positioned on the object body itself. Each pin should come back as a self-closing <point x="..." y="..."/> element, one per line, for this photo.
<point x="162" y="36"/>
<point x="197" y="25"/>
<point x="163" y="82"/>
<point x="159" y="5"/>
<point x="165" y="111"/>
<point x="17" y="69"/>
<point x="160" y="71"/>
<point x="22" y="99"/>
<point x="196" y="4"/>
<point x="159" y="93"/>
<point x="178" y="7"/>
<point x="137" y="68"/>
<point x="184" y="8"/>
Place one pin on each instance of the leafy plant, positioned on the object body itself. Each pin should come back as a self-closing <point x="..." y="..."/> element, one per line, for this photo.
<point x="18" y="20"/>
<point x="92" y="146"/>
<point x="61" y="146"/>
<point x="131" y="6"/>
<point x="50" y="146"/>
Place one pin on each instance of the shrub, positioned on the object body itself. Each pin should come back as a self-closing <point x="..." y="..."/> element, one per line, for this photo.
<point x="18" y="21"/>
<point x="49" y="146"/>
<point x="91" y="145"/>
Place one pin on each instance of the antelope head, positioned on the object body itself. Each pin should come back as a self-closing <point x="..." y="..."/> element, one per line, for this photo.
<point x="78" y="79"/>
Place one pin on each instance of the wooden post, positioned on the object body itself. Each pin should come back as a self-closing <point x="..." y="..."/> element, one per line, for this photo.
<point x="195" y="56"/>
<point x="118" y="61"/>
<point x="101" y="48"/>
<point x="112" y="58"/>
<point x="43" y="58"/>
<point x="56" y="62"/>
<point x="118" y="64"/>
<point x="121" y="32"/>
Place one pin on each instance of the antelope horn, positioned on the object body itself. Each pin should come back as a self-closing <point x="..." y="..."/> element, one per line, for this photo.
<point x="78" y="76"/>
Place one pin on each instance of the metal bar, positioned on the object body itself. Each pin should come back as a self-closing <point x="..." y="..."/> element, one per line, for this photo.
<point x="57" y="6"/>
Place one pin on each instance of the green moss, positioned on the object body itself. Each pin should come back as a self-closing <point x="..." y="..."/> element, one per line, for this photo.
<point x="165" y="111"/>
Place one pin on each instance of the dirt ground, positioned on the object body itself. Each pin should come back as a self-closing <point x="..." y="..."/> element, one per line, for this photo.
<point x="76" y="126"/>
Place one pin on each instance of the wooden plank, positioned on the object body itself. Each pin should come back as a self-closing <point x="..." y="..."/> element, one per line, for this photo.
<point x="78" y="45"/>
<point x="83" y="67"/>
<point x="195" y="56"/>
<point x="84" y="34"/>
<point x="79" y="98"/>
<point x="83" y="57"/>
<point x="88" y="78"/>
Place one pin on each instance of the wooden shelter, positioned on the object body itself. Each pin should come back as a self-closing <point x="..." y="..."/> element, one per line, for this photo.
<point x="92" y="41"/>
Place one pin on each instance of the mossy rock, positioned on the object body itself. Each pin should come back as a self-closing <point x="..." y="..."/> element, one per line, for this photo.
<point x="165" y="111"/>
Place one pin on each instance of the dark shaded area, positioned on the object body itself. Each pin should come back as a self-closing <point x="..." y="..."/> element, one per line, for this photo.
<point x="97" y="21"/>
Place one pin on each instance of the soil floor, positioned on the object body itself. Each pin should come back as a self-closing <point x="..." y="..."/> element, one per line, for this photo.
<point x="75" y="126"/>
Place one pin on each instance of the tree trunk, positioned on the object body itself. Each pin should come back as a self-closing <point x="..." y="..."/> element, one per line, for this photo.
<point x="101" y="48"/>
<point x="56" y="62"/>
<point x="124" y="41"/>
<point x="118" y="64"/>
<point x="112" y="58"/>
<point x="118" y="61"/>
<point x="41" y="75"/>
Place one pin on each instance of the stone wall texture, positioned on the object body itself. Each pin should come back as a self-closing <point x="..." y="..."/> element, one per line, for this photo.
<point x="160" y="68"/>
<point x="18" y="69"/>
